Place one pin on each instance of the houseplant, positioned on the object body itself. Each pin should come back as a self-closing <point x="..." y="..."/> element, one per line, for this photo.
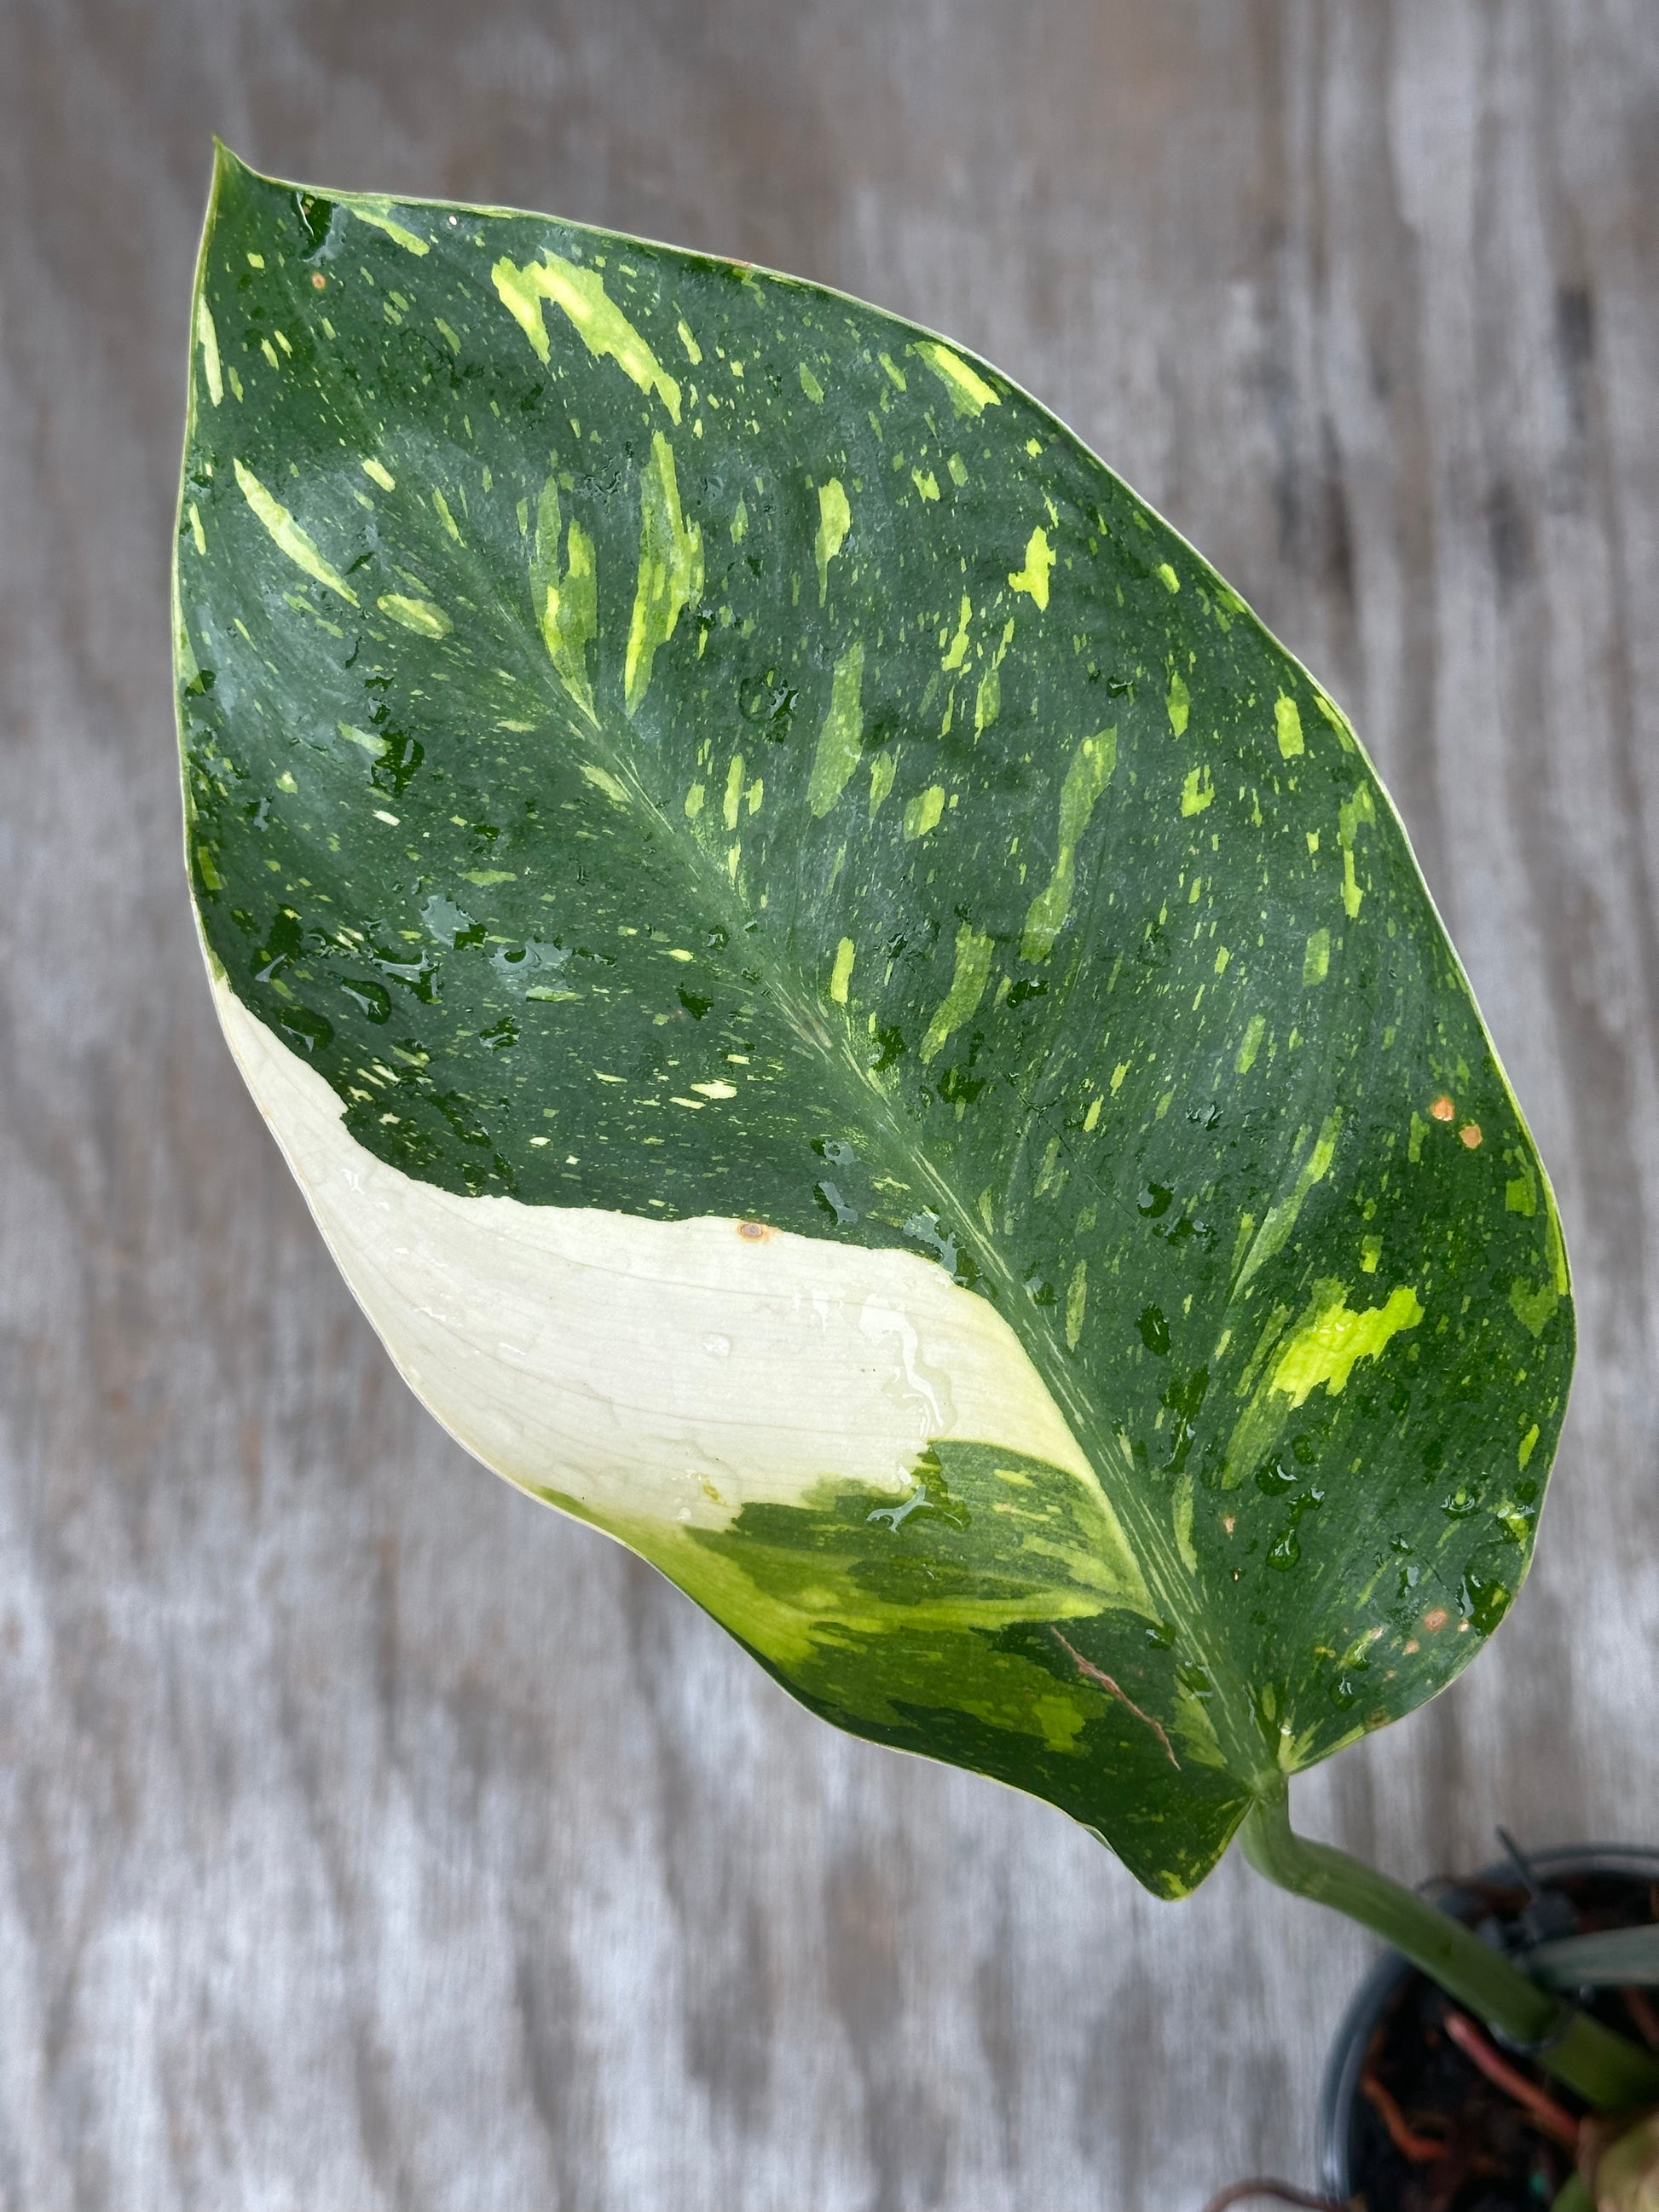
<point x="854" y="1022"/>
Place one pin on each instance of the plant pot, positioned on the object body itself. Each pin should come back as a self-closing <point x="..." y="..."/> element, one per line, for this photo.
<point x="1391" y="2029"/>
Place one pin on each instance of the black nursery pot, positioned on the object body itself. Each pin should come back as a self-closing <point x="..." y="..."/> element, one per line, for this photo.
<point x="1391" y="2027"/>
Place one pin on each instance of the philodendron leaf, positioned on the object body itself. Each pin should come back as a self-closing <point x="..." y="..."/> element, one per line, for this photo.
<point x="851" y="1020"/>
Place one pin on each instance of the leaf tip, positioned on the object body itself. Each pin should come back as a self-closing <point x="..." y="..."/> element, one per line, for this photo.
<point x="228" y="164"/>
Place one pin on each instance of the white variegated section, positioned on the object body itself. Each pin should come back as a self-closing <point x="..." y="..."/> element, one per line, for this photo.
<point x="679" y="1370"/>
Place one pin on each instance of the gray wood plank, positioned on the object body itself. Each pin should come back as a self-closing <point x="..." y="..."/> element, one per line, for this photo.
<point x="368" y="1837"/>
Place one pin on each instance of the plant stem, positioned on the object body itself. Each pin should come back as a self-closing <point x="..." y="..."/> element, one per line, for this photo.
<point x="1603" y="2068"/>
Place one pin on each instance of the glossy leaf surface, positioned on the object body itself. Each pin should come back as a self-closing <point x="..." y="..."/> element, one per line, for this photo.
<point x="851" y="1017"/>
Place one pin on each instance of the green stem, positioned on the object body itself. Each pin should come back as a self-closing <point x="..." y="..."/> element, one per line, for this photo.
<point x="1602" y="2067"/>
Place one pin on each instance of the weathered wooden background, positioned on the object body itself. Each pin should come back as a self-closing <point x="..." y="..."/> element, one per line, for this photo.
<point x="371" y="1838"/>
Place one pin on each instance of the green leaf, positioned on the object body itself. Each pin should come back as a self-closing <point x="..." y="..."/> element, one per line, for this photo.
<point x="1611" y="1958"/>
<point x="851" y="1018"/>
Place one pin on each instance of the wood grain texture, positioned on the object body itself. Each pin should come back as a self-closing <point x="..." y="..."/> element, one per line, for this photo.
<point x="370" y="1838"/>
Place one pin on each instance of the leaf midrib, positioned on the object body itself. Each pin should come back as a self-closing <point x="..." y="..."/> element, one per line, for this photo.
<point x="1154" y="1547"/>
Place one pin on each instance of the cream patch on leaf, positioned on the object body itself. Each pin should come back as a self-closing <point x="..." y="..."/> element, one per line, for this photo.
<point x="632" y="1365"/>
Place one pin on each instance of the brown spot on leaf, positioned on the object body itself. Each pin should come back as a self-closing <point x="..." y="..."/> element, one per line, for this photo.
<point x="755" y="1231"/>
<point x="317" y="279"/>
<point x="1443" y="1109"/>
<point x="1436" y="1621"/>
<point x="1470" y="1132"/>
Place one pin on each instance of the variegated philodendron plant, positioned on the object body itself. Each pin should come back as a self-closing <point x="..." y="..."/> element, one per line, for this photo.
<point x="851" y="1019"/>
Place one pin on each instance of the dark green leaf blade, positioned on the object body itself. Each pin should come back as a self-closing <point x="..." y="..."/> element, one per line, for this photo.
<point x="672" y="753"/>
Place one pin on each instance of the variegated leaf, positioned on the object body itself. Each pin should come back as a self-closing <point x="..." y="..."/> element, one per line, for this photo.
<point x="850" y="1017"/>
